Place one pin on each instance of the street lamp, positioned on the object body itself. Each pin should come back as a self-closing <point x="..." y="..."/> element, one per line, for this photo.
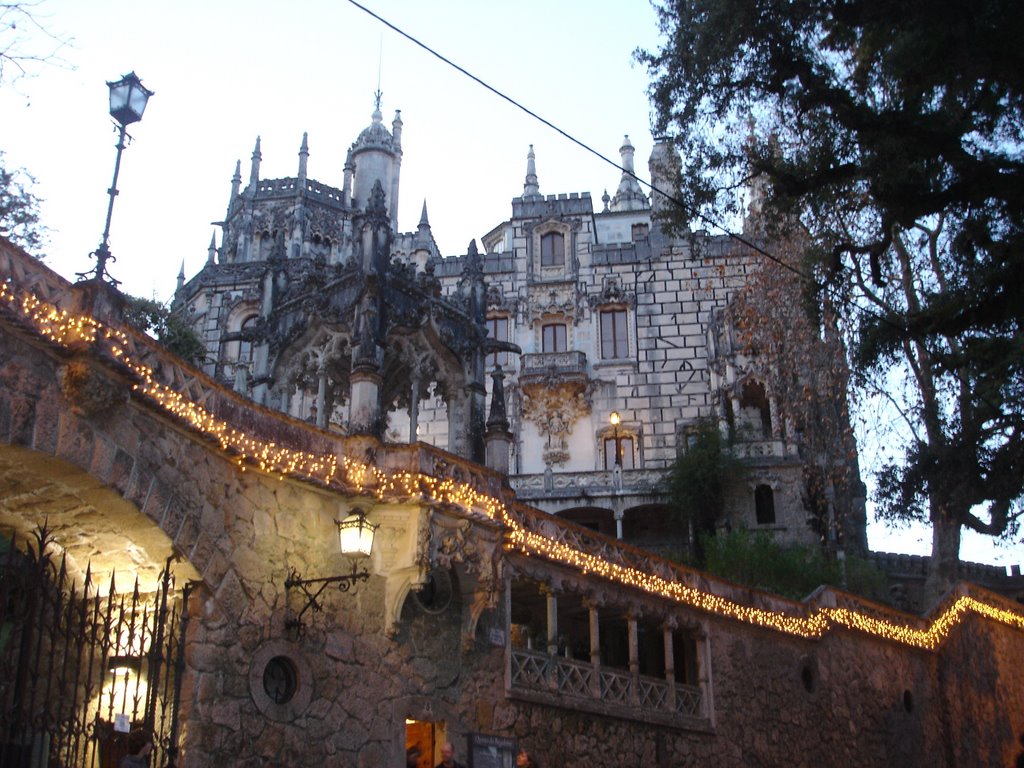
<point x="128" y="99"/>
<point x="615" y="420"/>
<point x="355" y="538"/>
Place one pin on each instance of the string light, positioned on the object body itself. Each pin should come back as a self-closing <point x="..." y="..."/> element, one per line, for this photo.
<point x="73" y="331"/>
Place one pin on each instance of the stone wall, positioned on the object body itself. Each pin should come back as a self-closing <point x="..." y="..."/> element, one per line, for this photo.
<point x="373" y="657"/>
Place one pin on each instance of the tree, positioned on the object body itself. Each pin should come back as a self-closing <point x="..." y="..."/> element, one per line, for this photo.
<point x="890" y="136"/>
<point x="25" y="43"/>
<point x="698" y="481"/>
<point x="150" y="316"/>
<point x="19" y="210"/>
<point x="790" y="342"/>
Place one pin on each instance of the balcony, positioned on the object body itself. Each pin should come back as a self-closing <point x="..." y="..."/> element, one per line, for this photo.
<point x="571" y="684"/>
<point x="558" y="364"/>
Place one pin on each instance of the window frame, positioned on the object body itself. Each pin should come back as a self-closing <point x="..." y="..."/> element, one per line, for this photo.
<point x="764" y="504"/>
<point x="563" y="338"/>
<point x="620" y="348"/>
<point x="548" y="256"/>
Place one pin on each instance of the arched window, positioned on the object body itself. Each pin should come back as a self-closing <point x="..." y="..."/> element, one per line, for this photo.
<point x="245" y="344"/>
<point x="764" y="504"/>
<point x="497" y="329"/>
<point x="618" y="449"/>
<point x="552" y="249"/>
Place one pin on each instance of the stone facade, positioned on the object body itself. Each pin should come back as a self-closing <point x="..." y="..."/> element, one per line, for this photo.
<point x="481" y="615"/>
<point x="584" y="312"/>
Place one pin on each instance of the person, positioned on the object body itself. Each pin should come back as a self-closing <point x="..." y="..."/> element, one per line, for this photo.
<point x="524" y="760"/>
<point x="412" y="756"/>
<point x="139" y="747"/>
<point x="448" y="757"/>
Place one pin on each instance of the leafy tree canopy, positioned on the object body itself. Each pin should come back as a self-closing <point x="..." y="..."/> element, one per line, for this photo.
<point x="699" y="480"/>
<point x="890" y="136"/>
<point x="150" y="316"/>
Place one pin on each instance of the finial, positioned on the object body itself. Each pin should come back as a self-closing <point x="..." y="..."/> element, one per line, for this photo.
<point x="181" y="276"/>
<point x="211" y="254"/>
<point x="303" y="156"/>
<point x="254" y="170"/>
<point x="424" y="222"/>
<point x="531" y="187"/>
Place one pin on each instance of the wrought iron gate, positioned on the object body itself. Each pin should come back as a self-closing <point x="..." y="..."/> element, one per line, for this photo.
<point x="83" y="672"/>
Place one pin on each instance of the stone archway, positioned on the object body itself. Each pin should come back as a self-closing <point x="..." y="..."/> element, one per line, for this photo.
<point x="90" y="523"/>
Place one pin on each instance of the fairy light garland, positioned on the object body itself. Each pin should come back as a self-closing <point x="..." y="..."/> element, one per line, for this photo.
<point x="67" y="330"/>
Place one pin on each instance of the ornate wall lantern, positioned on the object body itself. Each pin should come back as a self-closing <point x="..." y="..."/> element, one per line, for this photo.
<point x="355" y="538"/>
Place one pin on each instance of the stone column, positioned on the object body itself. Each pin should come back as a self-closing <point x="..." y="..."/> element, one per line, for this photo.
<point x="670" y="665"/>
<point x="595" y="647"/>
<point x="634" y="659"/>
<point x="498" y="438"/>
<point x="365" y="404"/>
<point x="414" y="409"/>
<point x="552" y="605"/>
<point x="321" y="397"/>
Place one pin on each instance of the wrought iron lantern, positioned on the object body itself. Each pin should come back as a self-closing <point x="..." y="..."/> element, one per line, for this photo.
<point x="128" y="99"/>
<point x="355" y="538"/>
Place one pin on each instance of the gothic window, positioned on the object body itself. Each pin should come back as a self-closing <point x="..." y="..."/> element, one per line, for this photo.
<point x="621" y="445"/>
<point x="764" y="505"/>
<point x="755" y="414"/>
<point x="497" y="328"/>
<point x="245" y="344"/>
<point x="554" y="338"/>
<point x="552" y="249"/>
<point x="614" y="334"/>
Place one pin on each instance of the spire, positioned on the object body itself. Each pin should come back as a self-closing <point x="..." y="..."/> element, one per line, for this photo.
<point x="498" y="418"/>
<point x="211" y="254"/>
<point x="629" y="196"/>
<point x="181" y="276"/>
<point x="346" y="184"/>
<point x="424" y="221"/>
<point x="236" y="182"/>
<point x="303" y="157"/>
<point x="531" y="187"/>
<point x="254" y="170"/>
<point x="396" y="129"/>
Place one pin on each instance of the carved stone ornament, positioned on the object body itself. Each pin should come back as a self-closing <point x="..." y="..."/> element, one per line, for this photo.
<point x="555" y="406"/>
<point x="558" y="300"/>
<point x="612" y="293"/>
<point x="88" y="390"/>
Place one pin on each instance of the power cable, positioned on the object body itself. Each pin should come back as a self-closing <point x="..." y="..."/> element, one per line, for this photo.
<point x="692" y="212"/>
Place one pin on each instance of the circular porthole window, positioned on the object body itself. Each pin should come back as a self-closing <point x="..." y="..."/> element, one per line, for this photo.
<point x="280" y="680"/>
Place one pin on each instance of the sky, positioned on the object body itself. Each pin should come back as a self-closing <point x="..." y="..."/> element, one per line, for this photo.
<point x="226" y="72"/>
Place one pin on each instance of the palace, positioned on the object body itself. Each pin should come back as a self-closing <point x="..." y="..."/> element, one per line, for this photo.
<point x="442" y="407"/>
<point x="606" y="338"/>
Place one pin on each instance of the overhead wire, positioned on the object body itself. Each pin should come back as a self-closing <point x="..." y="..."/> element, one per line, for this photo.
<point x="692" y="212"/>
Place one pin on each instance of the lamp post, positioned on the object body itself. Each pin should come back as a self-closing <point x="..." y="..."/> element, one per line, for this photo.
<point x="615" y="420"/>
<point x="128" y="98"/>
<point x="355" y="537"/>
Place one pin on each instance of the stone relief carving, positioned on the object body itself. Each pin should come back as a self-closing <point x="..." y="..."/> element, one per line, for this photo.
<point x="612" y="292"/>
<point x="555" y="406"/>
<point x="556" y="300"/>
